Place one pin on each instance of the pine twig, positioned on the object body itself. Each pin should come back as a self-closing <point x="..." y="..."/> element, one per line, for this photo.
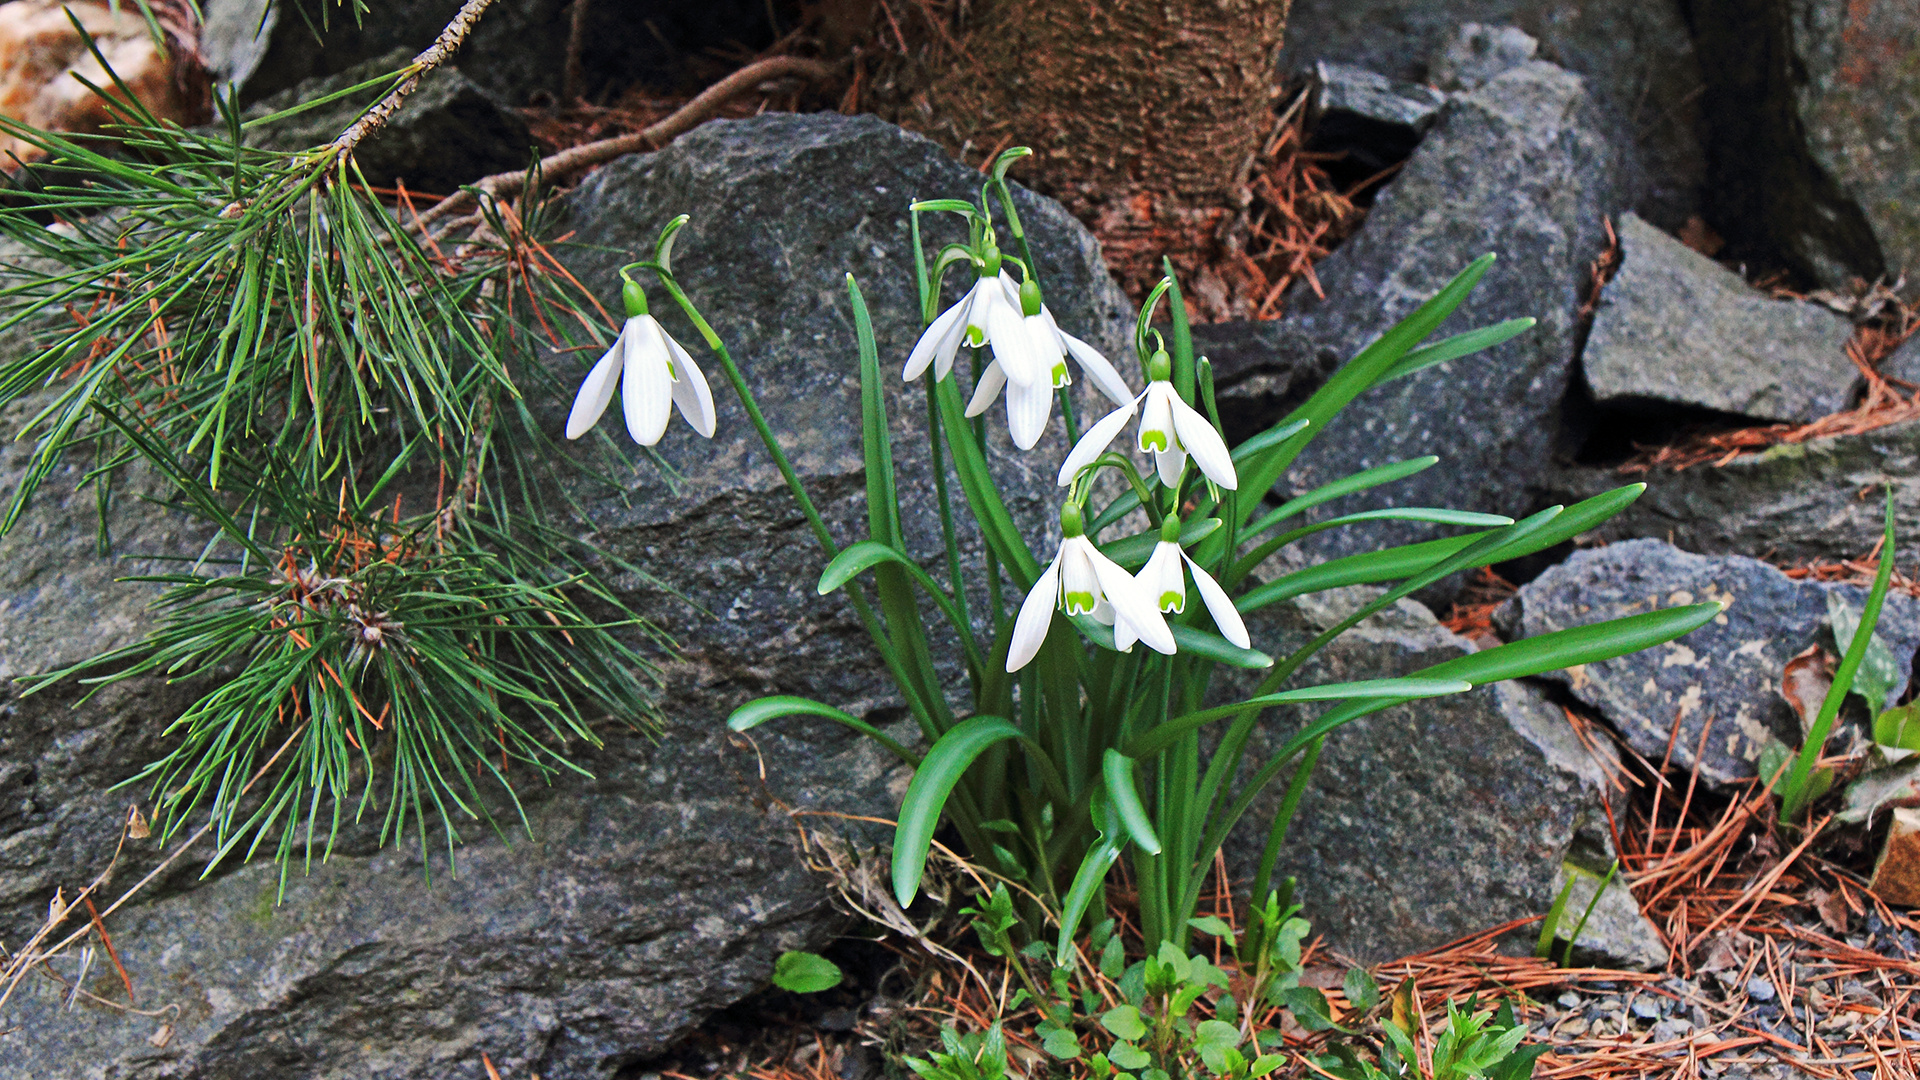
<point x="580" y="158"/>
<point x="438" y="53"/>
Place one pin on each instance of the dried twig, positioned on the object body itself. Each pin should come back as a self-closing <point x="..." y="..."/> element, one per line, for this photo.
<point x="435" y="54"/>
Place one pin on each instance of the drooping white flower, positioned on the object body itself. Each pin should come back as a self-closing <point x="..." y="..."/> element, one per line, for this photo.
<point x="1082" y="581"/>
<point x="1030" y="404"/>
<point x="989" y="314"/>
<point x="1166" y="584"/>
<point x="655" y="376"/>
<point x="1170" y="429"/>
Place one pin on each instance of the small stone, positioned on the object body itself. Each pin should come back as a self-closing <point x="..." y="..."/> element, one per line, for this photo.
<point x="1699" y="1017"/>
<point x="1645" y="1009"/>
<point x="1572" y="1029"/>
<point x="1568" y="1000"/>
<point x="1759" y="989"/>
<point x="1669" y="1030"/>
<point x="838" y="1019"/>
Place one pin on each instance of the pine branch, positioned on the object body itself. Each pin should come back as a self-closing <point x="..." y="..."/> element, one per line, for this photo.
<point x="438" y="53"/>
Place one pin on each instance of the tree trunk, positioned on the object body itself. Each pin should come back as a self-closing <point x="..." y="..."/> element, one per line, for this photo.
<point x="1144" y="115"/>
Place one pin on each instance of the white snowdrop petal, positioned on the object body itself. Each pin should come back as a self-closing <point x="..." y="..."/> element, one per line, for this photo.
<point x="1170" y="463"/>
<point x="1036" y="615"/>
<point x="1013" y="346"/>
<point x="1079" y="584"/>
<point x="691" y="395"/>
<point x="1123" y="635"/>
<point x="1104" y="376"/>
<point x="1094" y="442"/>
<point x="596" y="391"/>
<point x="646" y="390"/>
<point x="1209" y="450"/>
<point x="1130" y="602"/>
<point x="992" y="380"/>
<point x="1219" y="605"/>
<point x="1047" y="349"/>
<point x="1163" y="579"/>
<point x="1028" y="408"/>
<point x="1156" y="419"/>
<point x="950" y="323"/>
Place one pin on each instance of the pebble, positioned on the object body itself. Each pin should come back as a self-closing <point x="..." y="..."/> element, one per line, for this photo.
<point x="1645" y="1009"/>
<point x="1699" y="1017"/>
<point x="1760" y="989"/>
<point x="1669" y="1030"/>
<point x="1568" y="1000"/>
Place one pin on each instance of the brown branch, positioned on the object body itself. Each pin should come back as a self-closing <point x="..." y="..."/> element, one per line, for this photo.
<point x="572" y="74"/>
<point x="435" y="54"/>
<point x="580" y="158"/>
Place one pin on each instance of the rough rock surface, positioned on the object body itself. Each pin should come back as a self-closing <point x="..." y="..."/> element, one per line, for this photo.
<point x="1820" y="499"/>
<point x="516" y="51"/>
<point x="1374" y="120"/>
<point x="1518" y="168"/>
<point x="665" y="886"/>
<point x="1637" y="56"/>
<point x="1860" y="103"/>
<point x="1477" y="53"/>
<point x="1727" y="673"/>
<point x="1676" y="328"/>
<point x="1904" y="363"/>
<point x="1479" y="798"/>
<point x="446" y="133"/>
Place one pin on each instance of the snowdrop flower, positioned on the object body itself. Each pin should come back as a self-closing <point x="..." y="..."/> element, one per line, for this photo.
<point x="1166" y="585"/>
<point x="1029" y="405"/>
<point x="655" y="375"/>
<point x="1170" y="429"/>
<point x="988" y="315"/>
<point x="1084" y="582"/>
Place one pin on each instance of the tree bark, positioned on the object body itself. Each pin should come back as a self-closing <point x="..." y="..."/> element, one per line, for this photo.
<point x="1144" y="115"/>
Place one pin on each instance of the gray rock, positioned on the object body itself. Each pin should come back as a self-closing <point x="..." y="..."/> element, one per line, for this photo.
<point x="1375" y="120"/>
<point x="1617" y="934"/>
<point x="664" y="886"/>
<point x="516" y="51"/>
<point x="1636" y="55"/>
<point x="1264" y="367"/>
<point x="1815" y="500"/>
<point x="1812" y="107"/>
<point x="1479" y="798"/>
<point x="1904" y="364"/>
<point x="1676" y="328"/>
<point x="448" y="132"/>
<point x="1727" y="673"/>
<point x="1860" y="103"/>
<point x="1477" y="53"/>
<point x="1518" y="168"/>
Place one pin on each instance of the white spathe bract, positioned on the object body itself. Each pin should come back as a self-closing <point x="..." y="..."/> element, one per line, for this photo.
<point x="1164" y="580"/>
<point x="655" y="375"/>
<point x="1170" y="430"/>
<point x="1082" y="581"/>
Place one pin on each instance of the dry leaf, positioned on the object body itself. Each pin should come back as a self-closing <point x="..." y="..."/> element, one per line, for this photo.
<point x="159" y="1039"/>
<point x="137" y="827"/>
<point x="1831" y="907"/>
<point x="1805" y="683"/>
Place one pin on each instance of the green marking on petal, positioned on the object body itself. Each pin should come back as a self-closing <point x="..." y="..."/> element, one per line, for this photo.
<point x="976" y="337"/>
<point x="1060" y="378"/>
<point x="1155" y="440"/>
<point x="1079" y="603"/>
<point x="1172" y="601"/>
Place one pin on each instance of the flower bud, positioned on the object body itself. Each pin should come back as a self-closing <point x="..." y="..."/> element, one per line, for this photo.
<point x="1159" y="366"/>
<point x="1070" y="521"/>
<point x="990" y="262"/>
<point x="1170" y="529"/>
<point x="1029" y="298"/>
<point x="634" y="297"/>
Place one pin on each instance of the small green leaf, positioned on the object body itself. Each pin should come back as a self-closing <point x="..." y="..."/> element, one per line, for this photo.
<point x="1060" y="1042"/>
<point x="1361" y="990"/>
<point x="1128" y="1056"/>
<point x="1898" y="727"/>
<point x="805" y="973"/>
<point x="1309" y="1007"/>
<point x="1265" y="1064"/>
<point x="1113" y="961"/>
<point x="1125" y="1023"/>
<point x="1215" y="1034"/>
<point x="1214" y="926"/>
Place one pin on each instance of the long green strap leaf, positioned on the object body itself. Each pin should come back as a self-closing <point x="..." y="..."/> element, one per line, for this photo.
<point x="1455" y="347"/>
<point x="933" y="781"/>
<point x="1347" y="485"/>
<point x="1117" y="770"/>
<point x="1163" y="736"/>
<point x="760" y="710"/>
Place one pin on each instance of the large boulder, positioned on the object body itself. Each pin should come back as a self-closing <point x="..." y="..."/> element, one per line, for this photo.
<point x="1520" y="168"/>
<point x="663" y="886"/>
<point x="1636" y="55"/>
<point x="1433" y="820"/>
<point x="1821" y="499"/>
<point x="1714" y="697"/>
<point x="1676" y="328"/>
